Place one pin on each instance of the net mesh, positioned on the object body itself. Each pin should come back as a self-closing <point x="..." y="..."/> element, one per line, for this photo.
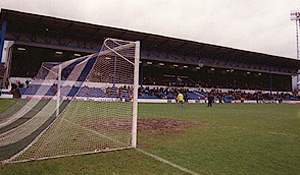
<point x="94" y="95"/>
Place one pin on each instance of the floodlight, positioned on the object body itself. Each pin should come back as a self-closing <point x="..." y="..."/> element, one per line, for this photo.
<point x="295" y="16"/>
<point x="21" y="48"/>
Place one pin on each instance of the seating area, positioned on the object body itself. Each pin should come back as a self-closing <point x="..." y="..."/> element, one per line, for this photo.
<point x="212" y="77"/>
<point x="65" y="91"/>
<point x="228" y="96"/>
<point x="158" y="92"/>
<point x="170" y="80"/>
<point x="68" y="91"/>
<point x="91" y="92"/>
<point x="166" y="93"/>
<point x="224" y="95"/>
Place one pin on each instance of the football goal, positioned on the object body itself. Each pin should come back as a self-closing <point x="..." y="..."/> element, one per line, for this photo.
<point x="81" y="106"/>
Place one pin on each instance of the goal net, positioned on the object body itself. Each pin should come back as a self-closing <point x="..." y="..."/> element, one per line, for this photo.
<point x="81" y="106"/>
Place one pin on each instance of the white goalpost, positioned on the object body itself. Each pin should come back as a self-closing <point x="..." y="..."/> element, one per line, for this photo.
<point x="135" y="94"/>
<point x="82" y="106"/>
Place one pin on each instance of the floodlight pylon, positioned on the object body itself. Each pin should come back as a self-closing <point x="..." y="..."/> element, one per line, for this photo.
<point x="295" y="16"/>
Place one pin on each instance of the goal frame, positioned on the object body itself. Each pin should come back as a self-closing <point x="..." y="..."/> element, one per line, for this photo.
<point x="58" y="113"/>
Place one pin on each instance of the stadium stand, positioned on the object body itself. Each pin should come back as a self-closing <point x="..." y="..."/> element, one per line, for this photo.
<point x="166" y="62"/>
<point x="163" y="92"/>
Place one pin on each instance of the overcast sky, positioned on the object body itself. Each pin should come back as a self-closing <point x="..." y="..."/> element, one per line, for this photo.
<point x="255" y="25"/>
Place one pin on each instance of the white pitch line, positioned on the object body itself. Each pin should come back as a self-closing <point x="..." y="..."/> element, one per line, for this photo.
<point x="284" y="134"/>
<point x="167" y="162"/>
<point x="142" y="151"/>
<point x="268" y="132"/>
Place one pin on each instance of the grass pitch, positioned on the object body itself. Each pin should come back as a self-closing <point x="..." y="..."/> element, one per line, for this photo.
<point x="232" y="139"/>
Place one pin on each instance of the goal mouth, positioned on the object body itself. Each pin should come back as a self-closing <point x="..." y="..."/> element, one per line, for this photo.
<point x="75" y="107"/>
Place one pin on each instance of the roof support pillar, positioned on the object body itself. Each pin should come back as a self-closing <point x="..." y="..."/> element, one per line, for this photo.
<point x="298" y="81"/>
<point x="271" y="83"/>
<point x="141" y="74"/>
<point x="3" y="30"/>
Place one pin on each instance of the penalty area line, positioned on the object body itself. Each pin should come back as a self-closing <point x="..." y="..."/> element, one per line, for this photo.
<point x="167" y="162"/>
<point x="140" y="150"/>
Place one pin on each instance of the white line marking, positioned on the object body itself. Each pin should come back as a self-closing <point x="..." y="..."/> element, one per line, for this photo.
<point x="167" y="162"/>
<point x="268" y="132"/>
<point x="140" y="150"/>
<point x="284" y="134"/>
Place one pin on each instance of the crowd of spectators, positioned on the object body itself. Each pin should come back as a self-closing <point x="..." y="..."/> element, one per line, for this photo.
<point x="119" y="92"/>
<point x="171" y="93"/>
<point x="258" y="96"/>
<point x="167" y="92"/>
<point x="16" y="86"/>
<point x="162" y="92"/>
